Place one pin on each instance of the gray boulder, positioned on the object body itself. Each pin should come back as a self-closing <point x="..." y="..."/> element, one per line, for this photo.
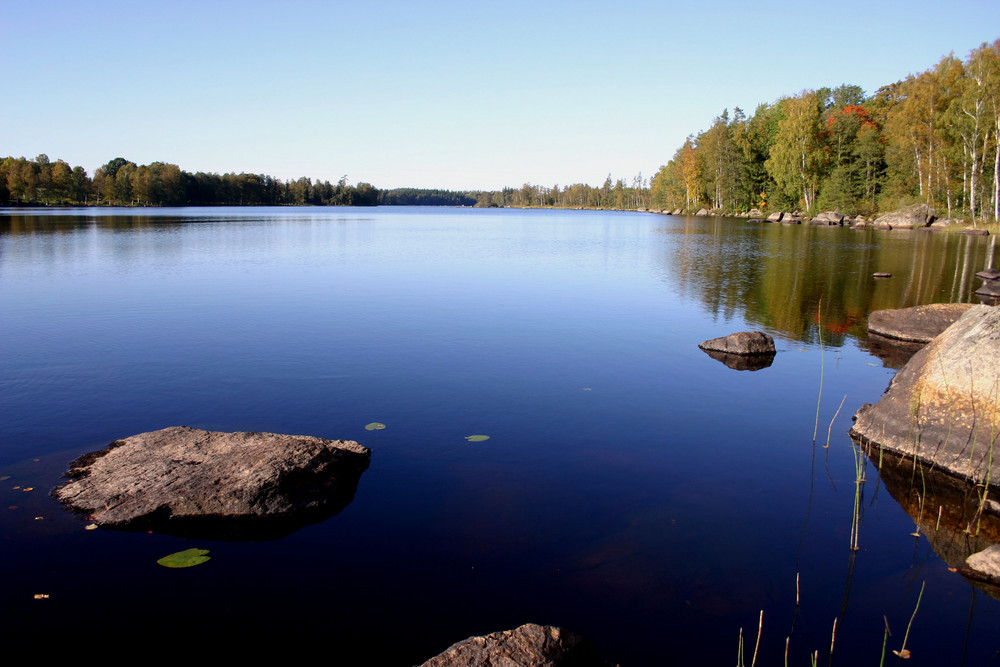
<point x="169" y="478"/>
<point x="943" y="407"/>
<point x="909" y="217"/>
<point x="828" y="218"/>
<point x="920" y="324"/>
<point x="702" y="212"/>
<point x="983" y="566"/>
<point x="776" y="216"/>
<point x="530" y="645"/>
<point x="741" y="343"/>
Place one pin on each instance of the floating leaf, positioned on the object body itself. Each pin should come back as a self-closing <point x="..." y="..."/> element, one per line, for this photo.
<point x="90" y="526"/>
<point x="904" y="654"/>
<point x="375" y="426"/>
<point x="41" y="596"/>
<point x="186" y="558"/>
<point x="477" y="438"/>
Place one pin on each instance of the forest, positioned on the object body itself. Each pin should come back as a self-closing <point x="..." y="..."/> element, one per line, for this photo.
<point x="933" y="137"/>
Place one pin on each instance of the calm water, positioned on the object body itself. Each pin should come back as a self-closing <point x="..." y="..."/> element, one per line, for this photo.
<point x="632" y="489"/>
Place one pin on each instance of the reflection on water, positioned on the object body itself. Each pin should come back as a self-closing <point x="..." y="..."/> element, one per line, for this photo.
<point x="955" y="517"/>
<point x="789" y="278"/>
<point x="633" y="488"/>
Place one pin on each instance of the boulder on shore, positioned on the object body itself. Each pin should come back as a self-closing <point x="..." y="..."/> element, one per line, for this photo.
<point x="920" y="324"/>
<point x="943" y="408"/>
<point x="530" y="645"/>
<point x="909" y="217"/>
<point x="169" y="478"/>
<point x="741" y="343"/>
<point x="828" y="218"/>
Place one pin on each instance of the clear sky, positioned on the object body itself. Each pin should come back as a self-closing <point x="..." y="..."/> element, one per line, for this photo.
<point x="457" y="95"/>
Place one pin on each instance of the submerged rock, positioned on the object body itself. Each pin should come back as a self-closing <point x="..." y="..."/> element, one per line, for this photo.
<point x="189" y="481"/>
<point x="919" y="324"/>
<point x="530" y="645"/>
<point x="741" y="343"/>
<point x="943" y="407"/>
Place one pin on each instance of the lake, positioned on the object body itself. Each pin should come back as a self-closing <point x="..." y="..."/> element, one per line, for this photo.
<point x="633" y="489"/>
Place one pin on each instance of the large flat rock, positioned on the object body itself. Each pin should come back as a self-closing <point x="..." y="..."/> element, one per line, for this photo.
<point x="919" y="324"/>
<point x="943" y="407"/>
<point x="180" y="474"/>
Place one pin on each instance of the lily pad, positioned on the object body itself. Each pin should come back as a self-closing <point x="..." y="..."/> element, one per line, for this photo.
<point x="374" y="426"/>
<point x="186" y="558"/>
<point x="477" y="438"/>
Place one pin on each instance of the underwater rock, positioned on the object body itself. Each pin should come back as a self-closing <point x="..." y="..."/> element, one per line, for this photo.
<point x="180" y="478"/>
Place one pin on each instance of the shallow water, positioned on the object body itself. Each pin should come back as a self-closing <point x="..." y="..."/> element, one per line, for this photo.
<point x="633" y="489"/>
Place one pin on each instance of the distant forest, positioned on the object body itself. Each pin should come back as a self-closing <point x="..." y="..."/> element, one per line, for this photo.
<point x="933" y="137"/>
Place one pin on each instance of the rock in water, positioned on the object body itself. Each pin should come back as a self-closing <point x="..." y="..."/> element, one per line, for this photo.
<point x="920" y="324"/>
<point x="743" y="342"/>
<point x="983" y="566"/>
<point x="943" y="406"/>
<point x="530" y="645"/>
<point x="179" y="473"/>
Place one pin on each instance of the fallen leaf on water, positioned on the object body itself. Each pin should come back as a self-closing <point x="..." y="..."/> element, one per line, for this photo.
<point x="477" y="438"/>
<point x="28" y="488"/>
<point x="41" y="596"/>
<point x="186" y="558"/>
<point x="904" y="654"/>
<point x="39" y="518"/>
<point x="4" y="478"/>
<point x="953" y="569"/>
<point x="374" y="426"/>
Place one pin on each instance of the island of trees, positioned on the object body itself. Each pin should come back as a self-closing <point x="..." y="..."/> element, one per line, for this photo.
<point x="933" y="137"/>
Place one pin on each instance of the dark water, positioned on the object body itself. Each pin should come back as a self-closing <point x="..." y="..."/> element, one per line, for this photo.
<point x="632" y="489"/>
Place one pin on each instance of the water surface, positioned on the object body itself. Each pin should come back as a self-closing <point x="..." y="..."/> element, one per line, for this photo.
<point x="632" y="489"/>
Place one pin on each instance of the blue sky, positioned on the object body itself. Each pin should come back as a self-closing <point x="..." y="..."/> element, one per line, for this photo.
<point x="459" y="95"/>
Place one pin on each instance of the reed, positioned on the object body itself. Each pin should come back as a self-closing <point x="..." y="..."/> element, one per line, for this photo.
<point x="819" y="329"/>
<point x="903" y="652"/>
<point x="829" y="429"/>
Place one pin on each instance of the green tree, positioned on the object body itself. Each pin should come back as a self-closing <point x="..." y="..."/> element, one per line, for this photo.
<point x="797" y="157"/>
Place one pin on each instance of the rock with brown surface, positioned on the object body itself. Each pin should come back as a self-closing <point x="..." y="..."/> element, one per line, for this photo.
<point x="180" y="478"/>
<point x="943" y="407"/>
<point x="919" y="324"/>
<point x="742" y="343"/>
<point x="530" y="645"/>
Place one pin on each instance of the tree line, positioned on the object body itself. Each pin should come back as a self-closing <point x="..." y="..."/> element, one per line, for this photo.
<point x="931" y="138"/>
<point x="121" y="182"/>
